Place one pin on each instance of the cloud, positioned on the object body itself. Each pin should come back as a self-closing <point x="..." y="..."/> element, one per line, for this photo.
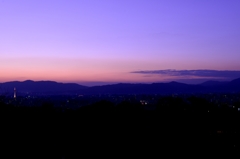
<point x="195" y="73"/>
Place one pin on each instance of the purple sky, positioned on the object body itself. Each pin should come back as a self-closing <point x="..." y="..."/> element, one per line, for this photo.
<point x="95" y="41"/>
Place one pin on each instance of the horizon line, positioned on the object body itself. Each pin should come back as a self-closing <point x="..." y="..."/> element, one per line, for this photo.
<point x="97" y="83"/>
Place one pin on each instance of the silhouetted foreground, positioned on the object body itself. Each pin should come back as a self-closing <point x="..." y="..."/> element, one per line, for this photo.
<point x="175" y="126"/>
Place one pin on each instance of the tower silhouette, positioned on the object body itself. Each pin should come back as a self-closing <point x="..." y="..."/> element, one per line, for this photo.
<point x="15" y="93"/>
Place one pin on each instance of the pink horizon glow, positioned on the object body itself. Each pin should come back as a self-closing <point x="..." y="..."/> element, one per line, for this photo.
<point x="93" y="41"/>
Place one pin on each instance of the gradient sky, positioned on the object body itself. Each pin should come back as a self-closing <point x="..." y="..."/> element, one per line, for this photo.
<point x="94" y="41"/>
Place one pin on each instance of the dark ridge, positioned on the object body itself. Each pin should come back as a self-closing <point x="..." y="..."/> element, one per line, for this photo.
<point x="54" y="88"/>
<point x="236" y="81"/>
<point x="212" y="83"/>
<point x="41" y="86"/>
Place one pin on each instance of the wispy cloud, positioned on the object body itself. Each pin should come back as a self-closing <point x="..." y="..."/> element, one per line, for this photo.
<point x="195" y="73"/>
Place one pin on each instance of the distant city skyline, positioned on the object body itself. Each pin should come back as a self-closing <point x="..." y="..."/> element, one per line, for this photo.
<point x="92" y="42"/>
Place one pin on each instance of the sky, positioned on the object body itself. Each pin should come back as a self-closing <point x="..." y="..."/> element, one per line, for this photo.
<point x="94" y="42"/>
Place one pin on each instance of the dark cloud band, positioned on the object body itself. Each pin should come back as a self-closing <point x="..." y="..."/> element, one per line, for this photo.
<point x="198" y="73"/>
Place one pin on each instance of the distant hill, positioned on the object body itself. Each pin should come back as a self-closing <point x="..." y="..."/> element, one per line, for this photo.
<point x="212" y="83"/>
<point x="235" y="82"/>
<point x="216" y="86"/>
<point x="51" y="87"/>
<point x="40" y="86"/>
<point x="156" y="88"/>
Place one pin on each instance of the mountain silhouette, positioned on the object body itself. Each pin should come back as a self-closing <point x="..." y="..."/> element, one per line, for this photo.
<point x="40" y="86"/>
<point x="51" y="87"/>
<point x="236" y="81"/>
<point x="212" y="83"/>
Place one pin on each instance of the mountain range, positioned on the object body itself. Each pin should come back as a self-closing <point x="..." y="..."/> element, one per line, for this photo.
<point x="55" y="88"/>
